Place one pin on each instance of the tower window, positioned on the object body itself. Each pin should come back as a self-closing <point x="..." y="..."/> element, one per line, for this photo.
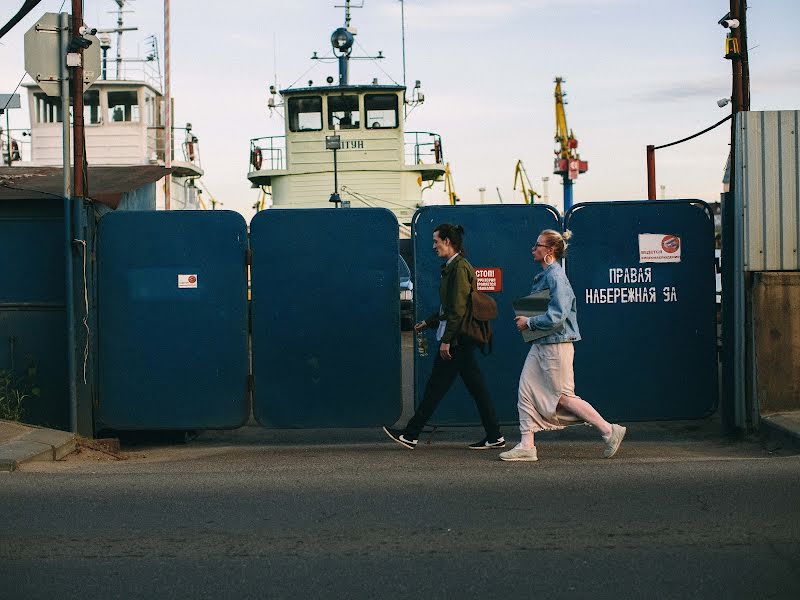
<point x="305" y="114"/>
<point x="343" y="111"/>
<point x="381" y="110"/>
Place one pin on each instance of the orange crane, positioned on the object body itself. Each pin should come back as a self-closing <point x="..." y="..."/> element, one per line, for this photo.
<point x="568" y="162"/>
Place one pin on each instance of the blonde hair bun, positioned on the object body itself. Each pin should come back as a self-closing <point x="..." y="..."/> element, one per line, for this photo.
<point x="566" y="235"/>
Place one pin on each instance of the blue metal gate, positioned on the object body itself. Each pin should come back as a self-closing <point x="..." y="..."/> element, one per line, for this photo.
<point x="498" y="237"/>
<point x="172" y="302"/>
<point x="33" y="342"/>
<point x="643" y="274"/>
<point x="325" y="318"/>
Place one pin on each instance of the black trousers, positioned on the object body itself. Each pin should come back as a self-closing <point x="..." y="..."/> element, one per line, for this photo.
<point x="442" y="377"/>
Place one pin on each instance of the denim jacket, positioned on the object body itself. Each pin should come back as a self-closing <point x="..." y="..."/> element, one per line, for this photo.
<point x="560" y="311"/>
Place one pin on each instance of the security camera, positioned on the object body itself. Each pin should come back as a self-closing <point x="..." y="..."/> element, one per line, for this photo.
<point x="723" y="102"/>
<point x="729" y="23"/>
<point x="84" y="30"/>
<point x="272" y="89"/>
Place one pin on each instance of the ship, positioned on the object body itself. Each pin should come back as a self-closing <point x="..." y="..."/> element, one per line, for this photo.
<point x="346" y="144"/>
<point x="124" y="118"/>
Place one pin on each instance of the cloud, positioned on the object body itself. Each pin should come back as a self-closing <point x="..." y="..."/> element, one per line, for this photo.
<point x="436" y="14"/>
<point x="683" y="90"/>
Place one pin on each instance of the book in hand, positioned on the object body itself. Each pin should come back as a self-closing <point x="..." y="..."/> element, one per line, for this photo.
<point x="531" y="306"/>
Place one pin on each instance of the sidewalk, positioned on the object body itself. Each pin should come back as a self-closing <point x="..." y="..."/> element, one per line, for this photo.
<point x="21" y="443"/>
<point x="782" y="430"/>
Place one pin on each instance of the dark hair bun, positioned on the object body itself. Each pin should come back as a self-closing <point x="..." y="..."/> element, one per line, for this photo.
<point x="459" y="229"/>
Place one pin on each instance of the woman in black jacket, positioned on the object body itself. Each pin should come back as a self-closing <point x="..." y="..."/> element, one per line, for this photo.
<point x="456" y="354"/>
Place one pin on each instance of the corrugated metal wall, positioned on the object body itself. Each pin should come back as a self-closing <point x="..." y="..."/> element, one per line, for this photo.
<point x="767" y="187"/>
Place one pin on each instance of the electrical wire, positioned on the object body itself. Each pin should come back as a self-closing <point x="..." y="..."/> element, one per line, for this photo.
<point x="11" y="95"/>
<point x="361" y="195"/>
<point x="311" y="68"/>
<point x="28" y="190"/>
<point x="376" y="62"/>
<point x="86" y="309"/>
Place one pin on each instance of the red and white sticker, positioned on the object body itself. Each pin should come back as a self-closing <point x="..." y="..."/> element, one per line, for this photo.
<point x="489" y="279"/>
<point x="187" y="281"/>
<point x="659" y="248"/>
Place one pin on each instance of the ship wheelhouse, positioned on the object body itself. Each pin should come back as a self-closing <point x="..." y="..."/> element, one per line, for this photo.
<point x="123" y="126"/>
<point x="378" y="163"/>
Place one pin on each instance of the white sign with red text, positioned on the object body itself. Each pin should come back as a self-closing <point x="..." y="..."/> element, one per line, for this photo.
<point x="659" y="248"/>
<point x="187" y="281"/>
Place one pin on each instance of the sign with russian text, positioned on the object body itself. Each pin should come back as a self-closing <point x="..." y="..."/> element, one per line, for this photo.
<point x="187" y="281"/>
<point x="489" y="279"/>
<point x="659" y="248"/>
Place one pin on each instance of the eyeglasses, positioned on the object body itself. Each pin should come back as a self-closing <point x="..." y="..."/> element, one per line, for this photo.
<point x="542" y="246"/>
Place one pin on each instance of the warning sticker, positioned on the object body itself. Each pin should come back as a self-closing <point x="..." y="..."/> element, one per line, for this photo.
<point x="187" y="281"/>
<point x="659" y="248"/>
<point x="489" y="279"/>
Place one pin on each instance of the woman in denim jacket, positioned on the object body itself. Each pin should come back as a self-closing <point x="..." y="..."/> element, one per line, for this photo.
<point x="547" y="398"/>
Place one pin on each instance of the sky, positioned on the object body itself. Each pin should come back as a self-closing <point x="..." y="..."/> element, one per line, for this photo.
<point x="636" y="72"/>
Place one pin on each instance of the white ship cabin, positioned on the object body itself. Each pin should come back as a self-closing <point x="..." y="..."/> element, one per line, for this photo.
<point x="378" y="163"/>
<point x="124" y="125"/>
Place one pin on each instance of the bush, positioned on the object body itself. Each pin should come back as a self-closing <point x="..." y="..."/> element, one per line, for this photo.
<point x="14" y="391"/>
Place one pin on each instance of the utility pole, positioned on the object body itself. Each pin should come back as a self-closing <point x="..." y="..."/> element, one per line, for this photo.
<point x="78" y="179"/>
<point x="737" y="92"/>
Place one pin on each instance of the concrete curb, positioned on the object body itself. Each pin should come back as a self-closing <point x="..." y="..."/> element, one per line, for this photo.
<point x="781" y="431"/>
<point x="38" y="444"/>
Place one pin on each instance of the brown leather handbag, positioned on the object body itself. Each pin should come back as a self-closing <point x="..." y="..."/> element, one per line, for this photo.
<point x="476" y="326"/>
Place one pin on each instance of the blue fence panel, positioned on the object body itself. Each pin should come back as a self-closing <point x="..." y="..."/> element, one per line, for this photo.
<point x="648" y="328"/>
<point x="325" y="318"/>
<point x="172" y="320"/>
<point x="499" y="236"/>
<point x="33" y="342"/>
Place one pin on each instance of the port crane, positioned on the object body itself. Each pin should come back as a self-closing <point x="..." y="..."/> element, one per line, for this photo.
<point x="448" y="185"/>
<point x="521" y="175"/>
<point x="568" y="162"/>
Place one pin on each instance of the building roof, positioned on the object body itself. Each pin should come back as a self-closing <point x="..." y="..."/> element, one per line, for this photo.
<point x="106" y="184"/>
<point x="329" y="89"/>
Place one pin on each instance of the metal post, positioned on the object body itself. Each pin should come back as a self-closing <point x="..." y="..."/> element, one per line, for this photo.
<point x="403" y="27"/>
<point x="651" y="172"/>
<point x="335" y="180"/>
<point x="78" y="179"/>
<point x="8" y="137"/>
<point x="167" y="110"/>
<point x="567" y="192"/>
<point x="63" y="24"/>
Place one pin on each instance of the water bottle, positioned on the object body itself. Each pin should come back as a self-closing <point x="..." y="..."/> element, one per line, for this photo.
<point x="422" y="344"/>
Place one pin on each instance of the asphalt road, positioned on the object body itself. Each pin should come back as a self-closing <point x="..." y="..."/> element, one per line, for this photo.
<point x="681" y="513"/>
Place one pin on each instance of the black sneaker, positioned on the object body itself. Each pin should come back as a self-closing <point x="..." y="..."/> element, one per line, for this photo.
<point x="399" y="436"/>
<point x="486" y="444"/>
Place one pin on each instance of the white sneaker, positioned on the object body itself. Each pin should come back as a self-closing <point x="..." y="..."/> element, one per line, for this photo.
<point x="519" y="453"/>
<point x="615" y="441"/>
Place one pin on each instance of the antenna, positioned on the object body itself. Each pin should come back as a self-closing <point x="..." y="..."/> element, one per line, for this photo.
<point x="118" y="30"/>
<point x="275" y="58"/>
<point x="346" y="6"/>
<point x="403" y="29"/>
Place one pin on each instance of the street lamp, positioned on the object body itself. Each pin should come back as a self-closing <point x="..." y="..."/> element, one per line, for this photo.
<point x="334" y="142"/>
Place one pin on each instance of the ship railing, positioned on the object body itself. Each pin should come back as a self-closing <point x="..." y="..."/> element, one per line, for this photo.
<point x="189" y="147"/>
<point x="423" y="147"/>
<point x="267" y="153"/>
<point x="134" y="69"/>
